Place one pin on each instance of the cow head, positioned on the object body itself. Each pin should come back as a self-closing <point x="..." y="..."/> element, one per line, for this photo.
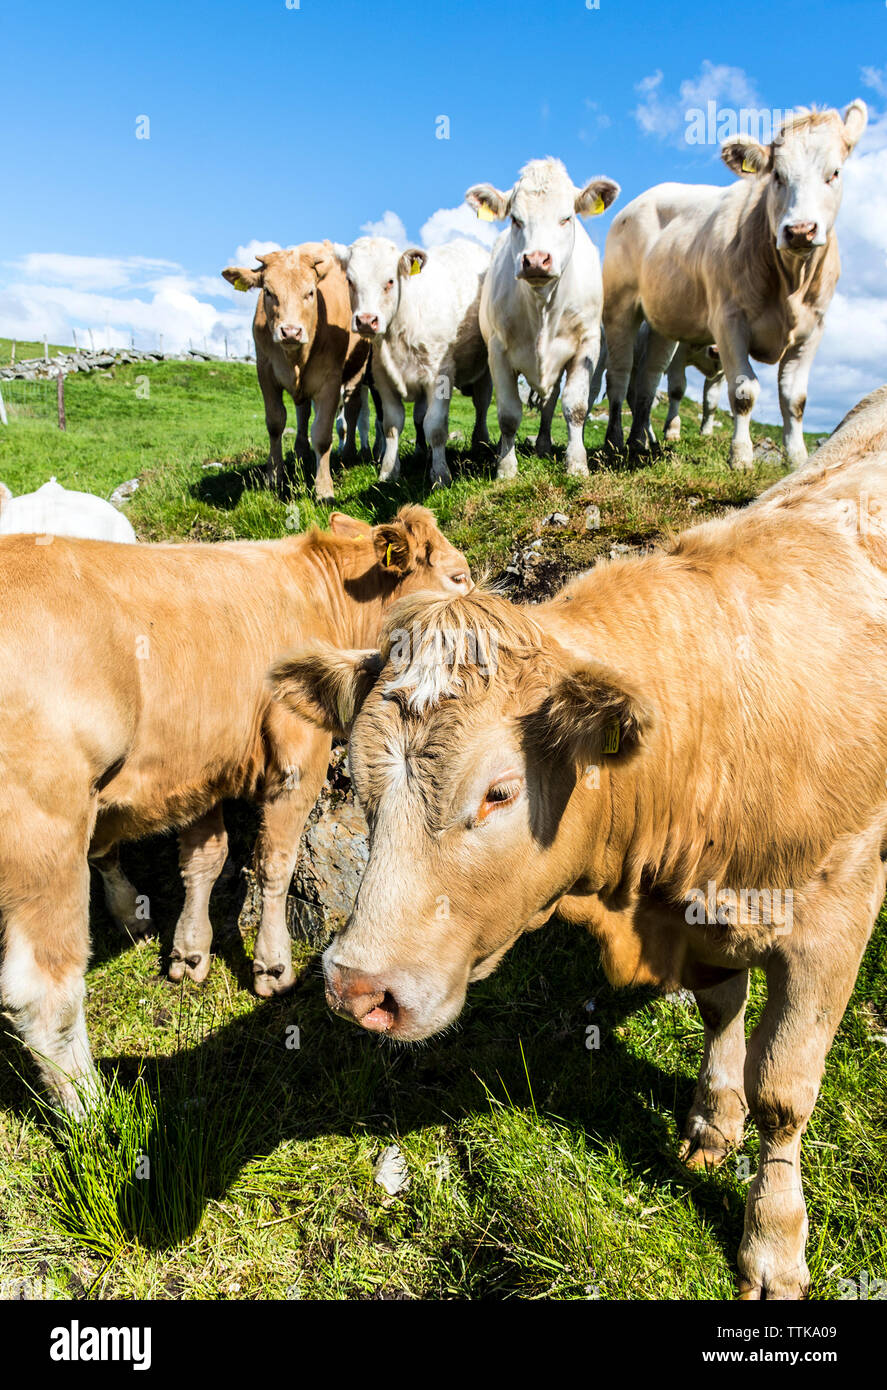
<point x="288" y="282"/>
<point x="376" y="270"/>
<point x="543" y="206"/>
<point x="802" y="168"/>
<point x="415" y="554"/>
<point x="472" y="738"/>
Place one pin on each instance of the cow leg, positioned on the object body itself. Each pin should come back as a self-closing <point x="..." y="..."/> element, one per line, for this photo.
<point x="810" y="977"/>
<point x="275" y="422"/>
<point x="284" y="812"/>
<point x="44" y="904"/>
<point x="544" y="447"/>
<point x="711" y="394"/>
<point x="363" y="420"/>
<point x="392" y="423"/>
<point x="574" y="402"/>
<point x="677" y="389"/>
<point x="129" y="909"/>
<point x="794" y="373"/>
<point x="420" y="410"/>
<point x="659" y="353"/>
<point x="322" y="441"/>
<point x="203" y="849"/>
<point x="379" y="437"/>
<point x="351" y="414"/>
<point x="302" y="446"/>
<point x="597" y="376"/>
<point x="508" y="408"/>
<point x="437" y="419"/>
<point x="731" y="336"/>
<point x="482" y="395"/>
<point x="621" y="324"/>
<point x="717" y="1115"/>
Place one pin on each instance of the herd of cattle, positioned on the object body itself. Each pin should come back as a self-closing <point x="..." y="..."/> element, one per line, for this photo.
<point x="692" y="273"/>
<point x="707" y="720"/>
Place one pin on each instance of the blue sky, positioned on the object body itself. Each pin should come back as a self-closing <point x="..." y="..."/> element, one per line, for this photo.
<point x="271" y="124"/>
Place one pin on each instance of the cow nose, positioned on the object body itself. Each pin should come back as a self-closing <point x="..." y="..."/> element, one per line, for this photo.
<point x="364" y="997"/>
<point x="366" y="323"/>
<point x="292" y="332"/>
<point x="536" y="263"/>
<point x="800" y="234"/>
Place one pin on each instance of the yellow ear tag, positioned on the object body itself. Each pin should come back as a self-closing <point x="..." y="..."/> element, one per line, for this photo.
<point x="240" y="284"/>
<point x="599" y="207"/>
<point x="415" y="269"/>
<point x="748" y="168"/>
<point x="388" y="555"/>
<point x="611" y="737"/>
<point x="485" y="214"/>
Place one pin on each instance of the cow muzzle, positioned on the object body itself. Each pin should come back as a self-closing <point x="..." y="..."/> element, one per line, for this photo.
<point x="367" y="325"/>
<point x="291" y="333"/>
<point x="365" y="998"/>
<point x="536" y="267"/>
<point x="800" y="236"/>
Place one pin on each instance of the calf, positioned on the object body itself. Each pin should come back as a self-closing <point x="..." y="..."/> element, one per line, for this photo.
<point x="54" y="510"/>
<point x="540" y="310"/>
<point x="752" y="267"/>
<point x="646" y="755"/>
<point x="419" y="309"/>
<point x="132" y="684"/>
<point x="304" y="347"/>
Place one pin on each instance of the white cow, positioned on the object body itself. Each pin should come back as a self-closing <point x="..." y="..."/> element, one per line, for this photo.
<point x="419" y="309"/>
<point x="53" y="510"/>
<point x="751" y="267"/>
<point x="540" y="310"/>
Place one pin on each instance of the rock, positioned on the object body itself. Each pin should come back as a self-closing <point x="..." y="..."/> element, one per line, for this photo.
<point x="619" y="549"/>
<point x="556" y="519"/>
<point x="767" y="450"/>
<point x="390" y="1170"/>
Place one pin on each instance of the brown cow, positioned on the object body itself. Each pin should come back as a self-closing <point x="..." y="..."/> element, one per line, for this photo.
<point x="686" y="754"/>
<point x="304" y="345"/>
<point x="132" y="684"/>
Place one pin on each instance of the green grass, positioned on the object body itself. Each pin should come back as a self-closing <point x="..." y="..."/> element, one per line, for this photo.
<point x="229" y="1165"/>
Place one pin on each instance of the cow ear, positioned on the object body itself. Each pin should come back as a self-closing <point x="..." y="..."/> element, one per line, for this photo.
<point x="5" y="495"/>
<point x="745" y="156"/>
<point x="324" y="684"/>
<point x="350" y="526"/>
<point x="592" y="710"/>
<point x="243" y="279"/>
<point x="596" y="197"/>
<point x="855" y="121"/>
<point x="490" y="203"/>
<point x="393" y="546"/>
<point x="323" y="259"/>
<point x="412" y="262"/>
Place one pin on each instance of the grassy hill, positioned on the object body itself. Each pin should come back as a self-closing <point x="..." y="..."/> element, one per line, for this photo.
<point x="537" y="1168"/>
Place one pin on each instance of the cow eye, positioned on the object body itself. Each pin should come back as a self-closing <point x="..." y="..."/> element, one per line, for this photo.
<point x="459" y="578"/>
<point x="309" y="294"/>
<point x="389" y="285"/>
<point x="516" y="222"/>
<point x="777" y="178"/>
<point x="499" y="795"/>
<point x="565" y="220"/>
<point x="831" y="178"/>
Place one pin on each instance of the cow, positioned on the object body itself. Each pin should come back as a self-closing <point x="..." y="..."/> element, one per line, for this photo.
<point x="706" y="360"/>
<point x="418" y="309"/>
<point x="540" y="310"/>
<point x="54" y="510"/>
<point x="304" y="346"/>
<point x="132" y="684"/>
<point x="751" y="267"/>
<point x="647" y="755"/>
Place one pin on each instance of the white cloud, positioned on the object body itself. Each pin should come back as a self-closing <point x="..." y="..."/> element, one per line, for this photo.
<point x="876" y="78"/>
<point x="388" y="225"/>
<point x="447" y="223"/>
<point x="664" y="114"/>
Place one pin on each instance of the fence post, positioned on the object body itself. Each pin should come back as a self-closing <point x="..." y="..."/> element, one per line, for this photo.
<point x="63" y="423"/>
<point x="12" y="358"/>
<point x="3" y="419"/>
<point x="45" y="348"/>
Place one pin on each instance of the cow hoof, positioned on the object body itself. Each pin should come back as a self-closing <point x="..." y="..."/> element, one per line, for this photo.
<point x="672" y="435"/>
<point x="789" y="1290"/>
<point x="441" y="479"/>
<point x="389" y="475"/>
<point x="742" y="463"/>
<point x="543" y="448"/>
<point x="577" y="468"/>
<point x="507" y="470"/>
<point x="271" y="980"/>
<point x="194" y="966"/>
<point x="136" y="928"/>
<point x="695" y="1153"/>
<point x="323" y="501"/>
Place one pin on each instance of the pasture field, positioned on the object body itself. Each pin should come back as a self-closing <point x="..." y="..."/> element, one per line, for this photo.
<point x="228" y="1162"/>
